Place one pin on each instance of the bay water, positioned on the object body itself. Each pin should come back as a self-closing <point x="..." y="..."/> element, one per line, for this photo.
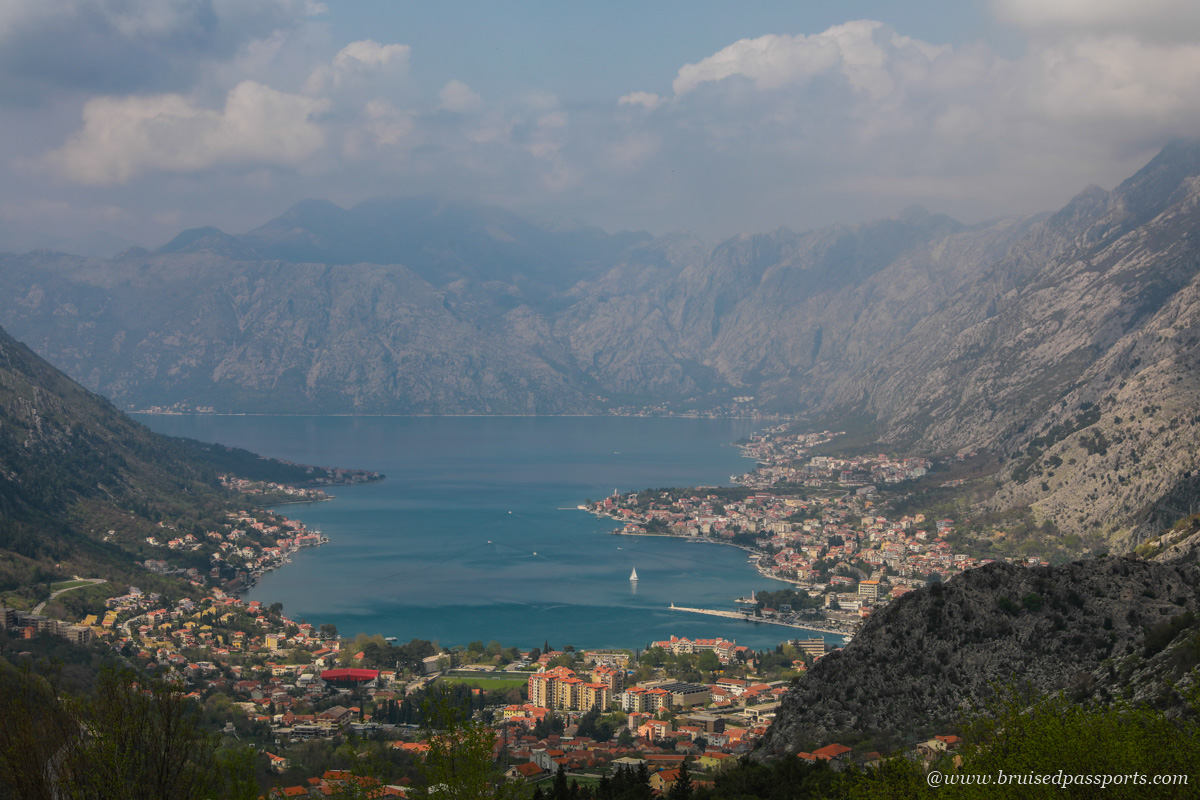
<point x="475" y="534"/>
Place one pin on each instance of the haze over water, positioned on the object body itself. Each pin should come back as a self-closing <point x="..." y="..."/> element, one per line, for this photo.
<point x="474" y="534"/>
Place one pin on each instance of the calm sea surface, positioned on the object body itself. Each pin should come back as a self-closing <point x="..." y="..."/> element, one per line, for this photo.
<point x="474" y="534"/>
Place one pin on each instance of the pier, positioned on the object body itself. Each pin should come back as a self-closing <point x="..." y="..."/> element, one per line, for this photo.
<point x="712" y="612"/>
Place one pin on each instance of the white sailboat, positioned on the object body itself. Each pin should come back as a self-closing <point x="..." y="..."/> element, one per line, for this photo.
<point x="633" y="575"/>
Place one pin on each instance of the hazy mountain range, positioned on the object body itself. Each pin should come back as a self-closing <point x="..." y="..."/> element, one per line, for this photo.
<point x="1065" y="343"/>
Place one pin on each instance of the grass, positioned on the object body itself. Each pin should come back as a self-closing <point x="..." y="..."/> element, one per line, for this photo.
<point x="485" y="682"/>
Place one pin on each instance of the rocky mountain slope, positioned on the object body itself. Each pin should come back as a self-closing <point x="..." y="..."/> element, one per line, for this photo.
<point x="1097" y="629"/>
<point x="491" y="319"/>
<point x="81" y="483"/>
<point x="1065" y="343"/>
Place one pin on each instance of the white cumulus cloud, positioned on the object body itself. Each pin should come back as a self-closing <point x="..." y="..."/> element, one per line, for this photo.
<point x="456" y="96"/>
<point x="864" y="52"/>
<point x="360" y="64"/>
<point x="123" y="137"/>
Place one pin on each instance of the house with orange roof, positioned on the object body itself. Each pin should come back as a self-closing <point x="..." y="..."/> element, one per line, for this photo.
<point x="662" y="782"/>
<point x="832" y="752"/>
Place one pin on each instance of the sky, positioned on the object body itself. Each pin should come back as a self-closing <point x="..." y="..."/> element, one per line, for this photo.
<point x="127" y="121"/>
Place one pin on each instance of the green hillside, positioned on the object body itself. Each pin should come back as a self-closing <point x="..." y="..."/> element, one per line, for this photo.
<point x="82" y="485"/>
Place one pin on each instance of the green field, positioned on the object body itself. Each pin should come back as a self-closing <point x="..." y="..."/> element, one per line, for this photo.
<point x="486" y="681"/>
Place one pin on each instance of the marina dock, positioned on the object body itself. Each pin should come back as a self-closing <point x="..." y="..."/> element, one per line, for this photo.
<point x="712" y="612"/>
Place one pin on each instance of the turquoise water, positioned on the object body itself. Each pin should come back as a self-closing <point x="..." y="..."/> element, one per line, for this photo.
<point x="474" y="535"/>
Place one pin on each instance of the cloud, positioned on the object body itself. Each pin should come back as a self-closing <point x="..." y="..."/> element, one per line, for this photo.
<point x="798" y="129"/>
<point x="360" y="66"/>
<point x="117" y="46"/>
<point x="1144" y="19"/>
<point x="456" y="96"/>
<point x="369" y="54"/>
<point x="123" y="137"/>
<point x="1116" y="80"/>
<point x="647" y="100"/>
<point x="863" y="52"/>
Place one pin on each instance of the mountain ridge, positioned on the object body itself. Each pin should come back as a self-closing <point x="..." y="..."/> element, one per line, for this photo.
<point x="82" y="484"/>
<point x="1020" y="336"/>
<point x="1098" y="630"/>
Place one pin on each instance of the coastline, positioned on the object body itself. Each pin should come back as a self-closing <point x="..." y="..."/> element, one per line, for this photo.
<point x="705" y="539"/>
<point x="847" y="635"/>
<point x="269" y="587"/>
<point x="762" y="621"/>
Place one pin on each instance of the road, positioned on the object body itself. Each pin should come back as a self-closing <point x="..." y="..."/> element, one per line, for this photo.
<point x="90" y="582"/>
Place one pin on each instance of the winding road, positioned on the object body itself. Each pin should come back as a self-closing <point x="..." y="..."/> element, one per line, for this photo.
<point x="86" y="582"/>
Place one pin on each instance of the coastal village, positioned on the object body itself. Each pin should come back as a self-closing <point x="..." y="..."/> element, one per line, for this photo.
<point x="286" y="685"/>
<point x="810" y="521"/>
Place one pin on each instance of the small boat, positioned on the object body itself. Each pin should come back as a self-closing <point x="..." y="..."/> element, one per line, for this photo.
<point x="633" y="575"/>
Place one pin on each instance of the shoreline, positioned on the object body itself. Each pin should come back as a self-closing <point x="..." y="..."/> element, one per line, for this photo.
<point x="254" y="579"/>
<point x="761" y="621"/>
<point x="705" y="539"/>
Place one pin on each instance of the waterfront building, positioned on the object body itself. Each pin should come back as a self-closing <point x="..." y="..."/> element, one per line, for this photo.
<point x="725" y="649"/>
<point x="561" y="689"/>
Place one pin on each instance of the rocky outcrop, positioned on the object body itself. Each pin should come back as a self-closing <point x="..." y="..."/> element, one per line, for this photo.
<point x="1096" y="629"/>
<point x="1066" y="344"/>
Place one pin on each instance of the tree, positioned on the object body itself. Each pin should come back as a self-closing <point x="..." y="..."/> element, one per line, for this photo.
<point x="682" y="788"/>
<point x="131" y="738"/>
<point x="459" y="763"/>
<point x="559" y="789"/>
<point x="143" y="740"/>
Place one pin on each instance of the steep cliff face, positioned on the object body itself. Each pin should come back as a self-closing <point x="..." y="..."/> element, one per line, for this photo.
<point x="1053" y="315"/>
<point x="461" y="328"/>
<point x="1097" y="629"/>
<point x="1064" y="343"/>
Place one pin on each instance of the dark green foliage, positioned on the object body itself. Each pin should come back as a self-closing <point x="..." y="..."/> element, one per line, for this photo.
<point x="551" y="723"/>
<point x="1018" y="733"/>
<point x="1096" y="443"/>
<point x="591" y="725"/>
<point x="788" y="778"/>
<point x="1162" y="634"/>
<point x="625" y="784"/>
<point x="682" y="788"/>
<point x="129" y="737"/>
<point x="73" y="467"/>
<point x="791" y="597"/>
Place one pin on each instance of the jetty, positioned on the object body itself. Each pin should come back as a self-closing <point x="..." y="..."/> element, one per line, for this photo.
<point x="748" y="617"/>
